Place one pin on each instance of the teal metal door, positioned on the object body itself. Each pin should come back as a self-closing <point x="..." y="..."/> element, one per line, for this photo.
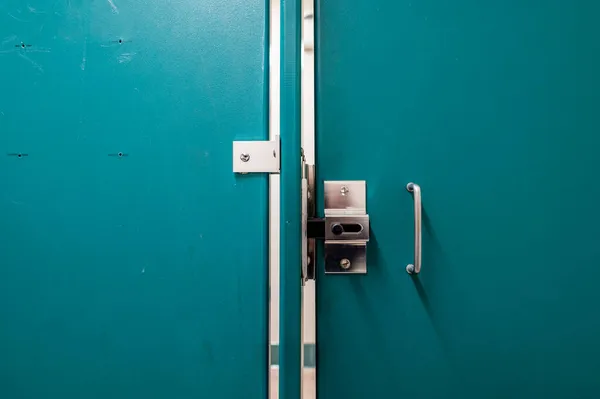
<point x="492" y="108"/>
<point x="133" y="262"/>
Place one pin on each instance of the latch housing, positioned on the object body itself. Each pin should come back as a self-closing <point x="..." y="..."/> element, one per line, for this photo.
<point x="346" y="227"/>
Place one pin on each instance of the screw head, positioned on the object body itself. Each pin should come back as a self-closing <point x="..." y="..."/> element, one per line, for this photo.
<point x="345" y="264"/>
<point x="344" y="190"/>
<point x="245" y="157"/>
<point x="337" y="229"/>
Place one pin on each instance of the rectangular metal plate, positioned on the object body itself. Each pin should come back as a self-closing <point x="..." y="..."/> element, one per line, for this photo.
<point x="311" y="272"/>
<point x="346" y="227"/>
<point x="256" y="156"/>
<point x="346" y="197"/>
<point x="346" y="258"/>
<point x="304" y="230"/>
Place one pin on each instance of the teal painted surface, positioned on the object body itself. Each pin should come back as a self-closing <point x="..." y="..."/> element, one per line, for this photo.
<point x="290" y="288"/>
<point x="492" y="107"/>
<point x="119" y="277"/>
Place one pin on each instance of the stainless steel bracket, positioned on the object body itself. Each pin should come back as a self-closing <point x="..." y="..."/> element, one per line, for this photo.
<point x="346" y="227"/>
<point x="256" y="156"/>
<point x="308" y="213"/>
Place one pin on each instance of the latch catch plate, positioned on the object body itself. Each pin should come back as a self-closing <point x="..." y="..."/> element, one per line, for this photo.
<point x="256" y="156"/>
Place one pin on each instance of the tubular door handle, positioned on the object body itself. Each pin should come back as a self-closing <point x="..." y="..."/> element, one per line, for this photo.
<point x="415" y="268"/>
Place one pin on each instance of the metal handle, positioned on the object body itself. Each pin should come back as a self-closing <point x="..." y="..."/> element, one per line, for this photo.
<point x="416" y="190"/>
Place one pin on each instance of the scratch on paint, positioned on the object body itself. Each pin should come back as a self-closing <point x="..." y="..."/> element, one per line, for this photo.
<point x="32" y="62"/>
<point x="8" y="39"/>
<point x="125" y="58"/>
<point x="114" y="8"/>
<point x="84" y="58"/>
<point x="17" y="19"/>
<point x="33" y="10"/>
<point x="37" y="50"/>
<point x="20" y="50"/>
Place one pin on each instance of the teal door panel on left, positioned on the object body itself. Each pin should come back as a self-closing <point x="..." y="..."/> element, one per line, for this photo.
<point x="118" y="274"/>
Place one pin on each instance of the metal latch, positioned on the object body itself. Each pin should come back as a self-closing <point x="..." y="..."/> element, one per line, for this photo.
<point x="256" y="156"/>
<point x="345" y="228"/>
<point x="308" y="213"/>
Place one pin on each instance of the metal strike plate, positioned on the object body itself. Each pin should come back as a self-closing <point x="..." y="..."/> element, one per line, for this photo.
<point x="305" y="261"/>
<point x="311" y="272"/>
<point x="346" y="227"/>
<point x="256" y="156"/>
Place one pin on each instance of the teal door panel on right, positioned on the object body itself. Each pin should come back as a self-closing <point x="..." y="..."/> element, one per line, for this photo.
<point x="492" y="108"/>
<point x="118" y="275"/>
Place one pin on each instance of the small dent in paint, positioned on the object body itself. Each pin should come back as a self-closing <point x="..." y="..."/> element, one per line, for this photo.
<point x="118" y="41"/>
